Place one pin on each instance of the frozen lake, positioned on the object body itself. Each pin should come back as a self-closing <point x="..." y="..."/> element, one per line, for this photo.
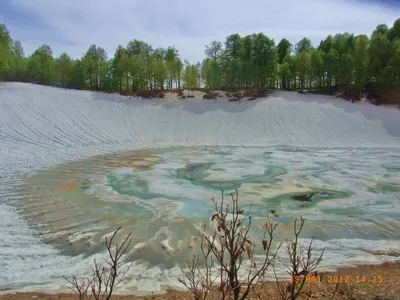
<point x="75" y="165"/>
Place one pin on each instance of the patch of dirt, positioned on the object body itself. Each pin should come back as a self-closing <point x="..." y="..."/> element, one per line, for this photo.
<point x="210" y="95"/>
<point x="145" y="94"/>
<point x="388" y="98"/>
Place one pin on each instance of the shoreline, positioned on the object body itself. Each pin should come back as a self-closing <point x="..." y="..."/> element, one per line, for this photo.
<point x="249" y="95"/>
<point x="235" y="96"/>
<point x="369" y="281"/>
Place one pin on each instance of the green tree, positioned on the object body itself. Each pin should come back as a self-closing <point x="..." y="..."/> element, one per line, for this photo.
<point x="253" y="61"/>
<point x="344" y="45"/>
<point x="19" y="62"/>
<point x="173" y="64"/>
<point x="391" y="73"/>
<point x="233" y="49"/>
<point x="284" y="74"/>
<point x="331" y="66"/>
<point x="140" y="68"/>
<point x="381" y="28"/>
<point x="303" y="67"/>
<point x="394" y="32"/>
<point x="284" y="48"/>
<point x="379" y="53"/>
<point x="265" y="61"/>
<point x="179" y="68"/>
<point x="40" y="66"/>
<point x="247" y="58"/>
<point x="317" y="68"/>
<point x="208" y="73"/>
<point x="63" y="68"/>
<point x="120" y="65"/>
<point x="326" y="45"/>
<point x="303" y="45"/>
<point x="95" y="66"/>
<point x="213" y="50"/>
<point x="361" y="60"/>
<point x="6" y="53"/>
<point x="191" y="77"/>
<point x="211" y="69"/>
<point x="78" y="80"/>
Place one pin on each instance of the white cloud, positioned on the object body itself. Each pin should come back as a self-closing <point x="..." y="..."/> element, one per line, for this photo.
<point x="72" y="25"/>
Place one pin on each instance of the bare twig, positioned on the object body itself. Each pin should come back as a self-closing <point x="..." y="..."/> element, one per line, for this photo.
<point x="79" y="287"/>
<point x="228" y="247"/>
<point x="105" y="277"/>
<point x="300" y="266"/>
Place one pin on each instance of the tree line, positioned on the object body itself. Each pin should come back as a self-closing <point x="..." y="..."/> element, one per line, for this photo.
<point x="254" y="61"/>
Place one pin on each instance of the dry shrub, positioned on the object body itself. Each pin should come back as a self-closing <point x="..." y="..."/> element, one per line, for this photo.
<point x="388" y="98"/>
<point x="255" y="93"/>
<point x="350" y="94"/>
<point x="150" y="94"/>
<point x="301" y="266"/>
<point x="210" y="95"/>
<point x="105" y="277"/>
<point x="205" y="90"/>
<point x="125" y="93"/>
<point x="238" y="95"/>
<point x="230" y="244"/>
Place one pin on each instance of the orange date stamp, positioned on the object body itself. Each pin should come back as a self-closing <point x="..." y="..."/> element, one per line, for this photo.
<point x="334" y="279"/>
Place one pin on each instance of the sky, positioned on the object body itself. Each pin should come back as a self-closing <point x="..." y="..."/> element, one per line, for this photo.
<point x="71" y="26"/>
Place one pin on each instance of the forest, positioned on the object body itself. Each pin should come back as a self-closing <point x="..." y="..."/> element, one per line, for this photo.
<point x="357" y="63"/>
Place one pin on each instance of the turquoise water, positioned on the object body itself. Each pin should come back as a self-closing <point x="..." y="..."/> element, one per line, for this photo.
<point x="163" y="201"/>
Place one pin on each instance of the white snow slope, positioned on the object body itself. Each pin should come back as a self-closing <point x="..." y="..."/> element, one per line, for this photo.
<point x="43" y="126"/>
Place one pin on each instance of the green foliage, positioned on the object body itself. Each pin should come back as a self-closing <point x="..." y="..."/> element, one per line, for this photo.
<point x="213" y="50"/>
<point x="303" y="46"/>
<point x="303" y="67"/>
<point x="63" y="68"/>
<point x="191" y="77"/>
<point x="19" y="66"/>
<point x="6" y="53"/>
<point x="40" y="66"/>
<point x="253" y="61"/>
<point x="284" y="48"/>
<point x="361" y="60"/>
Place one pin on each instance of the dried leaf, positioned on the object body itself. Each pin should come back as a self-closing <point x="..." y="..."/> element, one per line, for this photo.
<point x="265" y="244"/>
<point x="222" y="286"/>
<point x="248" y="250"/>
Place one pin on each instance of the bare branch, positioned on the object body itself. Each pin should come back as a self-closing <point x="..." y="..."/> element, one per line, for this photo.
<point x="300" y="266"/>
<point x="230" y="245"/>
<point x="105" y="278"/>
<point x="79" y="287"/>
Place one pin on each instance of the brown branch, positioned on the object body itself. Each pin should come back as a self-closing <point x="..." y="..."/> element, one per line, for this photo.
<point x="105" y="280"/>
